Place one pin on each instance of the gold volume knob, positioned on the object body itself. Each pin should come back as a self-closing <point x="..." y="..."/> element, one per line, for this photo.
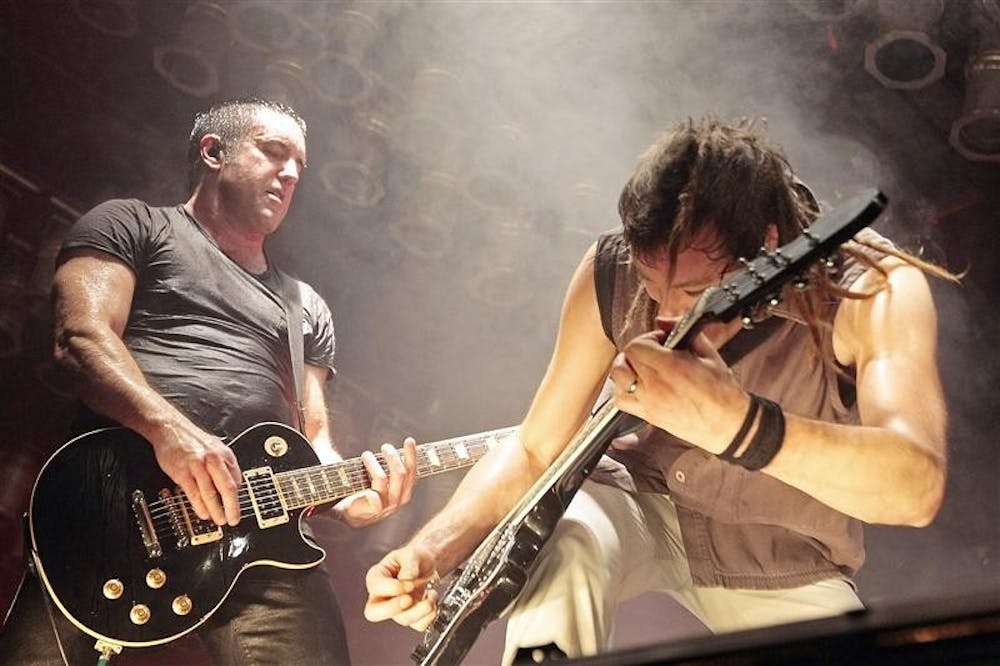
<point x="139" y="614"/>
<point x="182" y="605"/>
<point x="113" y="588"/>
<point x="155" y="578"/>
<point x="275" y="446"/>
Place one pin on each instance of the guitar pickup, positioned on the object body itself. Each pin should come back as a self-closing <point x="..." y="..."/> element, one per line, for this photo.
<point x="204" y="531"/>
<point x="268" y="505"/>
<point x="188" y="528"/>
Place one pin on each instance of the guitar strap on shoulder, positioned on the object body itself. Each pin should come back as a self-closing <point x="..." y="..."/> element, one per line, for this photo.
<point x="293" y="317"/>
<point x="746" y="340"/>
<point x="604" y="277"/>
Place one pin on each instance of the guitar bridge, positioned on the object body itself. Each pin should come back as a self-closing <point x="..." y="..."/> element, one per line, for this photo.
<point x="146" y="529"/>
<point x="265" y="498"/>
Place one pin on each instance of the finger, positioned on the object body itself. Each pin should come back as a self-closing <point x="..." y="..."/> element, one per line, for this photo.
<point x="645" y="355"/>
<point x="425" y="622"/>
<point x="378" y="609"/>
<point x="384" y="587"/>
<point x="190" y="488"/>
<point x="377" y="475"/>
<point x="414" y="568"/>
<point x="382" y="580"/>
<point x="219" y="470"/>
<point x="622" y="375"/>
<point x="410" y="462"/>
<point x="206" y="489"/>
<point x="703" y="348"/>
<point x="416" y="611"/>
<point x="397" y="475"/>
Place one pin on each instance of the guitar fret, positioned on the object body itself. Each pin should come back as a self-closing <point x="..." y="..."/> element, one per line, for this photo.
<point x="325" y="483"/>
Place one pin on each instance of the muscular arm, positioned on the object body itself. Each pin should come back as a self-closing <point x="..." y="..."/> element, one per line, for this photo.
<point x="891" y="468"/>
<point x="92" y="294"/>
<point x="562" y="402"/>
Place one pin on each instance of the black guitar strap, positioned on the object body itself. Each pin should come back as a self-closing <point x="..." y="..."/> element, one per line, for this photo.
<point x="746" y="340"/>
<point x="292" y="297"/>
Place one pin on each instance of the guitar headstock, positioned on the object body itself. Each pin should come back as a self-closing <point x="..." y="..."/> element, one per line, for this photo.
<point x="763" y="277"/>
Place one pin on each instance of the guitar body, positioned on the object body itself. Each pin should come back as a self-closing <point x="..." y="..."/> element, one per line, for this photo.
<point x="486" y="587"/>
<point x="499" y="568"/>
<point x="90" y="550"/>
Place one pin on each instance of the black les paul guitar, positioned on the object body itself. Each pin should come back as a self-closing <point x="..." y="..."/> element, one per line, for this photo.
<point x="124" y="557"/>
<point x="496" y="572"/>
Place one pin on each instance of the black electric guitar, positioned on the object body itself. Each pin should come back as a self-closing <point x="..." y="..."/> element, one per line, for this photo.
<point x="497" y="570"/>
<point x="124" y="557"/>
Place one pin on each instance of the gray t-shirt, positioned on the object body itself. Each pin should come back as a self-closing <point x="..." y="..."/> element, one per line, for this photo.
<point x="208" y="335"/>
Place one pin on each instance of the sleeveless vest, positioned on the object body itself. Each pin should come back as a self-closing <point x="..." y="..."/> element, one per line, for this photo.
<point x="741" y="529"/>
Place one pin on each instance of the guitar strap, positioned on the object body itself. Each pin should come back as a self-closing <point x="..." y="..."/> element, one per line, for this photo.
<point x="746" y="340"/>
<point x="292" y="297"/>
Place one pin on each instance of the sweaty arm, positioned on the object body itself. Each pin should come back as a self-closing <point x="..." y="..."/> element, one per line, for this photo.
<point x="92" y="294"/>
<point x="572" y="381"/>
<point x="891" y="468"/>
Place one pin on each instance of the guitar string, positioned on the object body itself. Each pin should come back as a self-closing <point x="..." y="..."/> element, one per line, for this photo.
<point x="357" y="476"/>
<point x="161" y="510"/>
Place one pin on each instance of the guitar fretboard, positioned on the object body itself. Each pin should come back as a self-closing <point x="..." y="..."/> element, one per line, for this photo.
<point x="311" y="486"/>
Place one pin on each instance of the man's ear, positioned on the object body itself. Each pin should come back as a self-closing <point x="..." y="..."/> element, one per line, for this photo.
<point x="771" y="238"/>
<point x="211" y="149"/>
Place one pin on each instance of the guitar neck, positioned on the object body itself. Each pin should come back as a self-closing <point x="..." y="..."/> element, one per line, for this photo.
<point x="321" y="484"/>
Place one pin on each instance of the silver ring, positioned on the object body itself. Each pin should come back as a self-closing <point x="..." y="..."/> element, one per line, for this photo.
<point x="633" y="387"/>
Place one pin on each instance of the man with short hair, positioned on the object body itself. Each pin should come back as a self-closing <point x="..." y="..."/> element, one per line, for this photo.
<point x="172" y="322"/>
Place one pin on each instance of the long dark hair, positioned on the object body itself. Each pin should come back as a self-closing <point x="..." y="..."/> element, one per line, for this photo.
<point x="731" y="178"/>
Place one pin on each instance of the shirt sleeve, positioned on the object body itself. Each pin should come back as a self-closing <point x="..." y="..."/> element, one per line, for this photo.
<point x="319" y="342"/>
<point x="119" y="227"/>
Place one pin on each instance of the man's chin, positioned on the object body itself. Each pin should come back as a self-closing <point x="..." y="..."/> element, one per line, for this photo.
<point x="270" y="220"/>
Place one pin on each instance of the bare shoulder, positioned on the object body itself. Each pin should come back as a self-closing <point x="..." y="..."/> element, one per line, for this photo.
<point x="899" y="313"/>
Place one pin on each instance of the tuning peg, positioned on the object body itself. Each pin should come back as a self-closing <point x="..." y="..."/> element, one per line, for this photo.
<point x="801" y="283"/>
<point x="751" y="270"/>
<point x="830" y="264"/>
<point x="747" y="321"/>
<point x="774" y="300"/>
<point x="777" y="259"/>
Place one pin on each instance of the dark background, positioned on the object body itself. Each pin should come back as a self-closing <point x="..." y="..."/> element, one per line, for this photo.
<point x="461" y="158"/>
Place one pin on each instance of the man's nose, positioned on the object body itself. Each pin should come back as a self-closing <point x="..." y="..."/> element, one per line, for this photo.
<point x="674" y="306"/>
<point x="290" y="171"/>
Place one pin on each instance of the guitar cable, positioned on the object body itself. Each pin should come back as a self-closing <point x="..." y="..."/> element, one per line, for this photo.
<point x="30" y="557"/>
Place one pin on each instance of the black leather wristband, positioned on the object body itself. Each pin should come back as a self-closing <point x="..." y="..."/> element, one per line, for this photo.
<point x="767" y="440"/>
<point x="730" y="452"/>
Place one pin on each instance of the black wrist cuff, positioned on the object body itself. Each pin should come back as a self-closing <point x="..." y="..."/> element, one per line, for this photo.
<point x="767" y="440"/>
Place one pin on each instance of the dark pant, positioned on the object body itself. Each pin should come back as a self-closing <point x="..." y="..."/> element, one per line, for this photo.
<point x="272" y="616"/>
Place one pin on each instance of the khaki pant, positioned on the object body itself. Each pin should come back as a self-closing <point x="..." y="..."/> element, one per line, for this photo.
<point x="613" y="545"/>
